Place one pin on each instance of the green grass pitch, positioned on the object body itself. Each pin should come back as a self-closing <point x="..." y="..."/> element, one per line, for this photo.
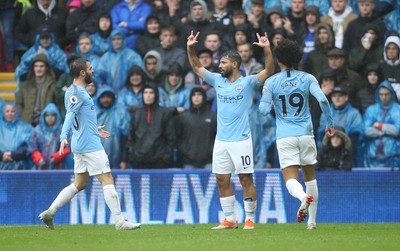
<point x="347" y="236"/>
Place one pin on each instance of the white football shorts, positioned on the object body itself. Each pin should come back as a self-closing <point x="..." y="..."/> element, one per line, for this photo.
<point x="233" y="157"/>
<point x="297" y="151"/>
<point x="94" y="163"/>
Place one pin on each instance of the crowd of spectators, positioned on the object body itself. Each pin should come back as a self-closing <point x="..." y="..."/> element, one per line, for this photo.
<point x="159" y="113"/>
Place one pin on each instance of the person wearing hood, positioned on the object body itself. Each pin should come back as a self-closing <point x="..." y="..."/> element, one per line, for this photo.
<point x="116" y="120"/>
<point x="151" y="138"/>
<point x="130" y="97"/>
<point x="174" y="94"/>
<point x="382" y="129"/>
<point x="45" y="44"/>
<point x="129" y="17"/>
<point x="346" y="116"/>
<point x="114" y="64"/>
<point x="44" y="142"/>
<point x="370" y="50"/>
<point x="335" y="154"/>
<point x="192" y="80"/>
<point x="37" y="91"/>
<point x="101" y="39"/>
<point x="14" y="135"/>
<point x="151" y="37"/>
<point x="366" y="95"/>
<point x="199" y="21"/>
<point x="391" y="63"/>
<point x="44" y="13"/>
<point x="317" y="59"/>
<point x="339" y="16"/>
<point x="196" y="129"/>
<point x="152" y="68"/>
<point x="84" y="19"/>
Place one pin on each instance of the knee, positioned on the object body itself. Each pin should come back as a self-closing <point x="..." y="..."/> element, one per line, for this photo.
<point x="246" y="181"/>
<point x="81" y="186"/>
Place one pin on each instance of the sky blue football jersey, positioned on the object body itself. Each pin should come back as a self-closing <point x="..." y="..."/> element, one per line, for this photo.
<point x="289" y="92"/>
<point x="233" y="103"/>
<point x="81" y="118"/>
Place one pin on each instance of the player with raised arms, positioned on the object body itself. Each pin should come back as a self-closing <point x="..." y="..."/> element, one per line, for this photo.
<point x="233" y="149"/>
<point x="288" y="92"/>
<point x="89" y="155"/>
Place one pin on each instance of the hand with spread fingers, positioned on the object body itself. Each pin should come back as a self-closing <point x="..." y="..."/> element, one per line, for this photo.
<point x="263" y="41"/>
<point x="192" y="39"/>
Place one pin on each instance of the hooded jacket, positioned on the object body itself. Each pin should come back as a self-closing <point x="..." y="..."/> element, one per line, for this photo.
<point x="196" y="130"/>
<point x="148" y="41"/>
<point x="45" y="142"/>
<point x="117" y="120"/>
<point x="126" y="97"/>
<point x="366" y="95"/>
<point x="174" y="96"/>
<point x="54" y="54"/>
<point x="26" y="95"/>
<point x="335" y="158"/>
<point x="101" y="38"/>
<point x="151" y="138"/>
<point x="382" y="142"/>
<point x="14" y="137"/>
<point x="114" y="65"/>
<point x="154" y="79"/>
<point x="390" y="69"/>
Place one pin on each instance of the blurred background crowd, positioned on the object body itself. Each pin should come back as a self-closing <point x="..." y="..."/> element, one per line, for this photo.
<point x="351" y="47"/>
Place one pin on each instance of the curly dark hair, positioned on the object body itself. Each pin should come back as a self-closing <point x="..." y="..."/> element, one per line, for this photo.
<point x="289" y="53"/>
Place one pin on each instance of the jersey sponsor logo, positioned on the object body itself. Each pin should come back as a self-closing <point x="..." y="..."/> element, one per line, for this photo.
<point x="239" y="88"/>
<point x="230" y="99"/>
<point x="73" y="99"/>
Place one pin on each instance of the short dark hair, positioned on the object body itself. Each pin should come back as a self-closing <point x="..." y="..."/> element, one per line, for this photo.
<point x="289" y="53"/>
<point x="77" y="66"/>
<point x="233" y="56"/>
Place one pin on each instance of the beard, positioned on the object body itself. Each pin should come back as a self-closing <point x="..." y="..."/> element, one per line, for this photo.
<point x="227" y="73"/>
<point x="88" y="79"/>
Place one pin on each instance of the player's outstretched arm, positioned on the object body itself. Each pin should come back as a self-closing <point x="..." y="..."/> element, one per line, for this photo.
<point x="263" y="42"/>
<point x="193" y="59"/>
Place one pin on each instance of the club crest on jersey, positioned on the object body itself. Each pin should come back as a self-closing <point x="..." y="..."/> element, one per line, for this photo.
<point x="239" y="88"/>
<point x="73" y="100"/>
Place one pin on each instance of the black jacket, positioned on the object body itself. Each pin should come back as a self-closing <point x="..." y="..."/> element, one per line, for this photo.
<point x="196" y="130"/>
<point x="33" y="19"/>
<point x="151" y="138"/>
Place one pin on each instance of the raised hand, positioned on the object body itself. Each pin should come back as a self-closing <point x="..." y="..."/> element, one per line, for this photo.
<point x="263" y="41"/>
<point x="329" y="132"/>
<point x="192" y="39"/>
